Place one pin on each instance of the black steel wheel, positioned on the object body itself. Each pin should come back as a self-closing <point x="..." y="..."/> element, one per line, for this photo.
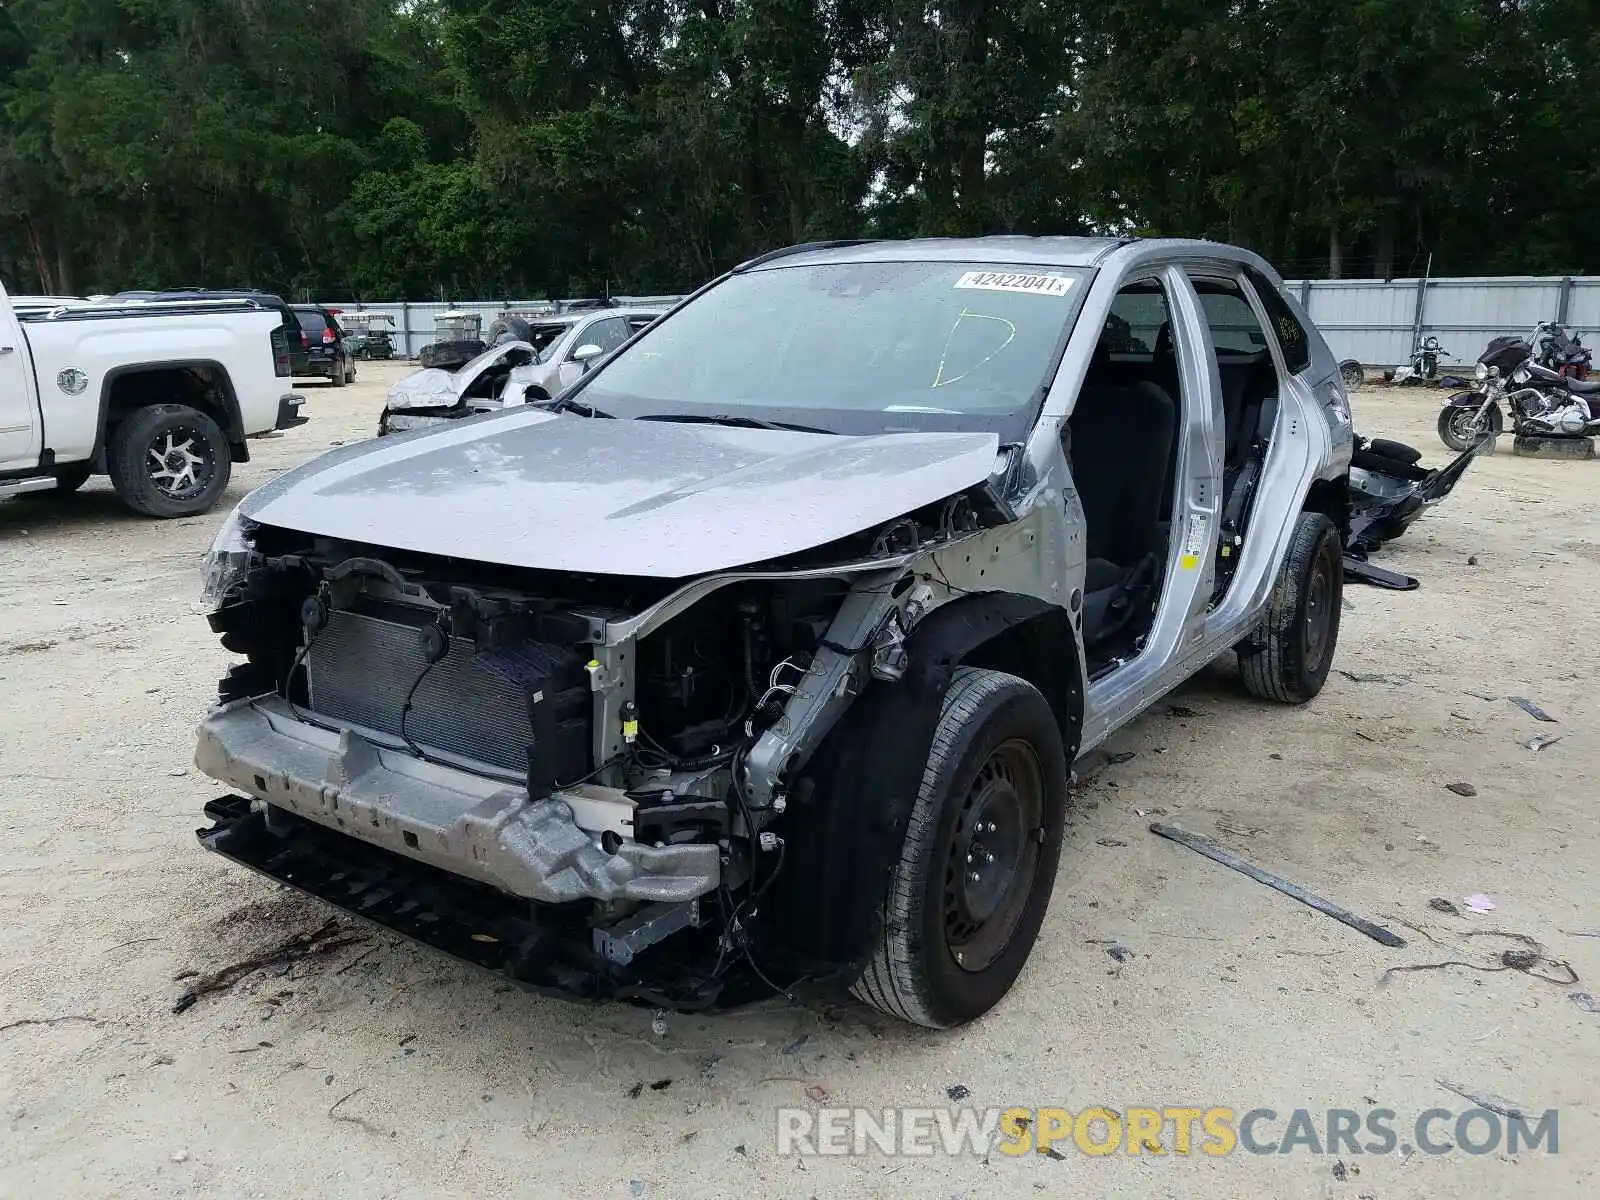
<point x="978" y="862"/>
<point x="994" y="855"/>
<point x="169" y="460"/>
<point x="1288" y="656"/>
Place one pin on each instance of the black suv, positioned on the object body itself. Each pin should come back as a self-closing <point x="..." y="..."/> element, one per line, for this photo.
<point x="321" y="349"/>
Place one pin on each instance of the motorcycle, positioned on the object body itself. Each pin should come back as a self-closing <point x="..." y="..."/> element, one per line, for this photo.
<point x="1424" y="364"/>
<point x="1543" y="402"/>
<point x="1558" y="350"/>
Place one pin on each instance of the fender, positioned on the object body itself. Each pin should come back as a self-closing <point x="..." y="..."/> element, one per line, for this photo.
<point x="847" y="817"/>
<point x="233" y="420"/>
<point x="1465" y="400"/>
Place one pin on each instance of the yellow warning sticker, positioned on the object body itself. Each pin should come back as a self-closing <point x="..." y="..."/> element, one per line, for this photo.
<point x="1188" y="561"/>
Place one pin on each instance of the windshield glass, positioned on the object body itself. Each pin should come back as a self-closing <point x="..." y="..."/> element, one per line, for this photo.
<point x="853" y="347"/>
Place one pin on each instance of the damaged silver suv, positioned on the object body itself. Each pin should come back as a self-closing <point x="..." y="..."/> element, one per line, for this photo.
<point x="761" y="656"/>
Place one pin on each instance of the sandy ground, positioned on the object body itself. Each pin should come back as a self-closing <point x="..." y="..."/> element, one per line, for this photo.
<point x="379" y="1070"/>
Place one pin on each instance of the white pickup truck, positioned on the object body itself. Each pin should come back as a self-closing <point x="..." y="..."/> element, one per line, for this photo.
<point x="162" y="397"/>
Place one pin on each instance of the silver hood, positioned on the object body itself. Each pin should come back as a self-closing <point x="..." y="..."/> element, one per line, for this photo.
<point x="554" y="491"/>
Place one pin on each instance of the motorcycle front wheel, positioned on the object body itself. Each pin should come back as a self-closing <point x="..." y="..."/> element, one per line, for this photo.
<point x="1459" y="427"/>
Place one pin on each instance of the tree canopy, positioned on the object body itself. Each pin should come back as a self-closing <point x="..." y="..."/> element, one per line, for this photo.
<point x="381" y="148"/>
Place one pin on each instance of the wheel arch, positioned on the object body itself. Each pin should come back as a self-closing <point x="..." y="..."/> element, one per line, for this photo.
<point x="848" y="812"/>
<point x="1331" y="498"/>
<point x="202" y="384"/>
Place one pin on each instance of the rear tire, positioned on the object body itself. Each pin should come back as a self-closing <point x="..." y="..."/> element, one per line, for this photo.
<point x="1398" y="451"/>
<point x="961" y="915"/>
<point x="169" y="460"/>
<point x="509" y="328"/>
<point x="337" y="378"/>
<point x="1288" y="657"/>
<point x="450" y="355"/>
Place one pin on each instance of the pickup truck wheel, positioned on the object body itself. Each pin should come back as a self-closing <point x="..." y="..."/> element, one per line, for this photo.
<point x="169" y="460"/>
<point x="1288" y="657"/>
<point x="979" y="859"/>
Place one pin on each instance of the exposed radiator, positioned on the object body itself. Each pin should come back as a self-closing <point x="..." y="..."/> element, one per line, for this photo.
<point x="474" y="706"/>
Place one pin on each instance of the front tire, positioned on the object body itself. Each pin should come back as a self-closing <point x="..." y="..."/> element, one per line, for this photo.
<point x="978" y="863"/>
<point x="1458" y="431"/>
<point x="1288" y="657"/>
<point x="169" y="460"/>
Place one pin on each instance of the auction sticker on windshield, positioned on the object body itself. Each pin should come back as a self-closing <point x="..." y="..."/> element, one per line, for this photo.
<point x="1003" y="281"/>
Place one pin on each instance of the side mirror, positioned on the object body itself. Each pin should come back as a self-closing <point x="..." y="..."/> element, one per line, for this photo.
<point x="586" y="353"/>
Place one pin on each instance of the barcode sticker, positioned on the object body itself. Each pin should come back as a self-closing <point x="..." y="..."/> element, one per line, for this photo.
<point x="1008" y="281"/>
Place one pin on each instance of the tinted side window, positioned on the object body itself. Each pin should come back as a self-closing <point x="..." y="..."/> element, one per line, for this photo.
<point x="607" y="334"/>
<point x="1291" y="334"/>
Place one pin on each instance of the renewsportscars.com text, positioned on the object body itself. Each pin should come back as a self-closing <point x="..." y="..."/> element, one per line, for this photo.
<point x="1168" y="1130"/>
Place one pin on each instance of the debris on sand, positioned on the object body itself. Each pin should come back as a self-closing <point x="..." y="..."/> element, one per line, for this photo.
<point x="1530" y="959"/>
<point x="1461" y="789"/>
<point x="1440" y="904"/>
<point x="958" y="1091"/>
<point x="326" y="938"/>
<point x="1532" y="709"/>
<point x="1479" y="903"/>
<point x="1539" y="741"/>
<point x="1488" y="1100"/>
<point x="46" y="1021"/>
<point x="1205" y="846"/>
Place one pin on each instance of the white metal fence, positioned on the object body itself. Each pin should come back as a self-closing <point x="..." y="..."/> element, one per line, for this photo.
<point x="1373" y="320"/>
<point x="1376" y="321"/>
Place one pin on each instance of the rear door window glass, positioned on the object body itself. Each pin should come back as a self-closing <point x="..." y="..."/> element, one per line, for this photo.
<point x="1290" y="333"/>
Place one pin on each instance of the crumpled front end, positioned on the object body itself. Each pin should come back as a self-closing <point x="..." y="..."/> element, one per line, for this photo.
<point x="435" y="396"/>
<point x="604" y="769"/>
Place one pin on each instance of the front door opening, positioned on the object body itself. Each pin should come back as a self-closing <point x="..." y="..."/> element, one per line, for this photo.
<point x="1122" y="442"/>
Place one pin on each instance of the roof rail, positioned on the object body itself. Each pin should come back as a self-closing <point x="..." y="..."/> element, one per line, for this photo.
<point x="785" y="251"/>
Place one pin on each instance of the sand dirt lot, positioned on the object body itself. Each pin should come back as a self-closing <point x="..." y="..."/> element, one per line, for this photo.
<point x="375" y="1069"/>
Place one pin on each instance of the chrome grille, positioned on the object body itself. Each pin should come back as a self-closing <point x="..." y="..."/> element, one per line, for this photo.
<point x="360" y="669"/>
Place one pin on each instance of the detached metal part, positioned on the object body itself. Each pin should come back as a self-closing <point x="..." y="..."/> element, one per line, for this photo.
<point x="452" y="819"/>
<point x="622" y="941"/>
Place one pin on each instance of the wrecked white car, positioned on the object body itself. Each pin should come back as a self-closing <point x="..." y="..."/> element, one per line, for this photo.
<point x="762" y="655"/>
<point x="526" y="362"/>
